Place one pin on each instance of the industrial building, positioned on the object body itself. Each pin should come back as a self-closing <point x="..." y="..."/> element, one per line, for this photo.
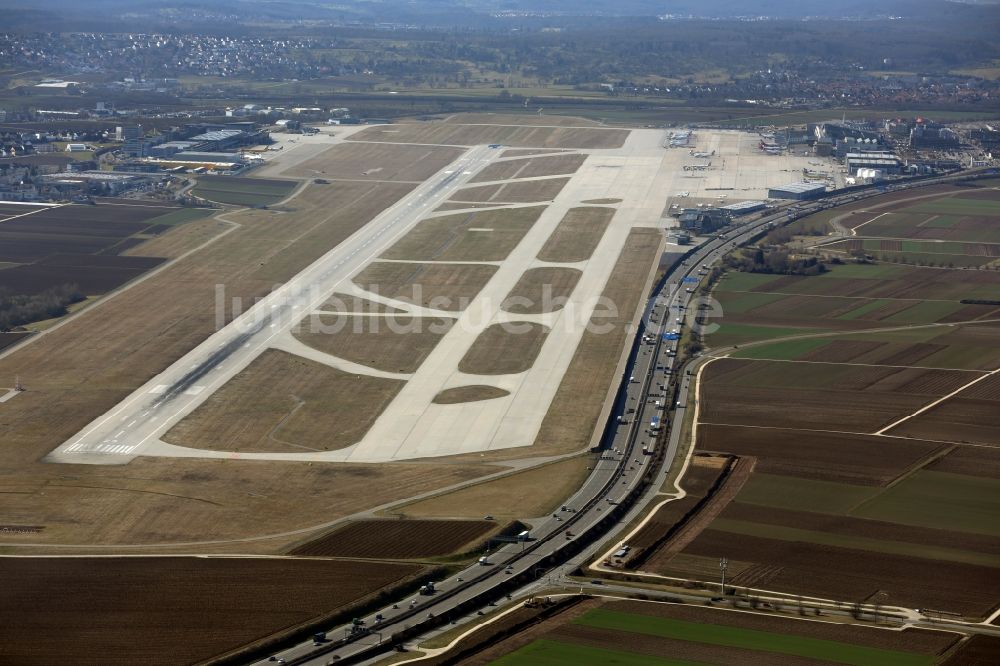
<point x="703" y="220"/>
<point x="227" y="160"/>
<point x="171" y="148"/>
<point x="135" y="141"/>
<point x="885" y="162"/>
<point x="219" y="140"/>
<point x="800" y="190"/>
<point x="108" y="182"/>
<point x="744" y="208"/>
<point x="933" y="137"/>
<point x="844" y="146"/>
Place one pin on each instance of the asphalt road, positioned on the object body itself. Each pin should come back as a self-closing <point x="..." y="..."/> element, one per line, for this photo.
<point x="617" y="472"/>
<point x="137" y="423"/>
<point x="614" y="475"/>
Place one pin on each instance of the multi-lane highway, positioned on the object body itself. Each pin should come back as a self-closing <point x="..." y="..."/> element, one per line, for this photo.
<point x="618" y="472"/>
<point x="652" y="376"/>
<point x="139" y="421"/>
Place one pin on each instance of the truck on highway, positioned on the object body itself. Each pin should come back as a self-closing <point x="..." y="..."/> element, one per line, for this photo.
<point x="654" y="424"/>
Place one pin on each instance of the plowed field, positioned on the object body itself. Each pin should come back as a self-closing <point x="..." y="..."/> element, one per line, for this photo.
<point x="163" y="610"/>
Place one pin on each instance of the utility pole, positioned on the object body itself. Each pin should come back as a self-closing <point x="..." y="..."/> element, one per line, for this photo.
<point x="723" y="565"/>
<point x="878" y="600"/>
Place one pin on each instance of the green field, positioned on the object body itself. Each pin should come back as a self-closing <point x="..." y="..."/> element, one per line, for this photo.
<point x="939" y="500"/>
<point x="791" y="492"/>
<point x="865" y="271"/>
<point x="957" y="206"/>
<point x="737" y="334"/>
<point x="744" y="301"/>
<point x="546" y="652"/>
<point x="971" y="357"/>
<point x="243" y="191"/>
<point x="750" y="639"/>
<point x="782" y="351"/>
<point x="925" y="312"/>
<point x="905" y="548"/>
<point x="865" y="308"/>
<point x="739" y="281"/>
<point x="182" y="215"/>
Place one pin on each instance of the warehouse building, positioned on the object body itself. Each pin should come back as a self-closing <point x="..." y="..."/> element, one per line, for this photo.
<point x="219" y="140"/>
<point x="226" y="160"/>
<point x="703" y="220"/>
<point x="744" y="208"/>
<point x="799" y="191"/>
<point x="885" y="162"/>
<point x="171" y="148"/>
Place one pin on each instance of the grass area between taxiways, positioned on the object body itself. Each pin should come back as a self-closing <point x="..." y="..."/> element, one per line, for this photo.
<point x="750" y="639"/>
<point x="558" y="653"/>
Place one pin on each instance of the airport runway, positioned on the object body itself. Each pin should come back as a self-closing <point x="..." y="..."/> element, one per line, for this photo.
<point x="136" y="424"/>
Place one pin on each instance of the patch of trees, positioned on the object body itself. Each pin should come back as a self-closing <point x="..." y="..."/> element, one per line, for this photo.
<point x="776" y="260"/>
<point x="19" y="309"/>
<point x="787" y="234"/>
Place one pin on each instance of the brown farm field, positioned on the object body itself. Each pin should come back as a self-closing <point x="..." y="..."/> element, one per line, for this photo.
<point x="168" y="610"/>
<point x="399" y="539"/>
<point x="510" y="135"/>
<point x="701" y="477"/>
<point x="840" y="505"/>
<point x="83" y="244"/>
<point x="837" y="457"/>
<point x="610" y="631"/>
<point x="286" y="403"/>
<point x="852" y="574"/>
<point x="828" y="396"/>
<point x="971" y="416"/>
